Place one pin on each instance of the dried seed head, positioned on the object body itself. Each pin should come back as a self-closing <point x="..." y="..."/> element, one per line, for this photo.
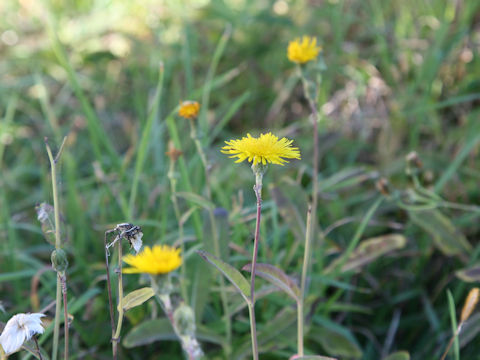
<point x="470" y="303"/>
<point x="382" y="185"/>
<point x="173" y="153"/>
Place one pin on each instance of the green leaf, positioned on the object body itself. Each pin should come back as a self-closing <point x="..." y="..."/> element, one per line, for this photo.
<point x="277" y="277"/>
<point x="471" y="274"/>
<point x="312" y="357"/>
<point x="446" y="236"/>
<point x="135" y="298"/>
<point x="453" y="319"/>
<point x="153" y="330"/>
<point x="148" y="332"/>
<point x="399" y="355"/>
<point x="232" y="274"/>
<point x="196" y="199"/>
<point x="337" y="344"/>
<point x="340" y="262"/>
<point x="369" y="250"/>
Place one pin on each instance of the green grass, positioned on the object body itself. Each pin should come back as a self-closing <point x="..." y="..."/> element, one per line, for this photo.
<point x="397" y="77"/>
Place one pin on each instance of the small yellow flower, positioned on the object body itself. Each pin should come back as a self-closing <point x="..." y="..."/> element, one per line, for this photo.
<point x="264" y="149"/>
<point x="302" y="51"/>
<point x="161" y="259"/>
<point x="189" y="109"/>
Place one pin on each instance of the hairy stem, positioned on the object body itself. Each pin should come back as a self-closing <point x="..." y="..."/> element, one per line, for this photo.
<point x="251" y="306"/>
<point x="58" y="244"/>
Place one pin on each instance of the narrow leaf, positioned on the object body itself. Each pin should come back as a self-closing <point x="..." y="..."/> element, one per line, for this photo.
<point x="453" y="319"/>
<point x="148" y="332"/>
<point x="370" y="250"/>
<point x="311" y="357"/>
<point x="232" y="274"/>
<point x="153" y="330"/>
<point x="446" y="237"/>
<point x="469" y="275"/>
<point x="337" y="344"/>
<point x="277" y="277"/>
<point x="135" y="298"/>
<point x="196" y="199"/>
<point x="399" y="355"/>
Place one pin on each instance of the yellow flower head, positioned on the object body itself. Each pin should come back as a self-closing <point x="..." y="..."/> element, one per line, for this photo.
<point x="189" y="109"/>
<point x="161" y="259"/>
<point x="264" y="149"/>
<point x="303" y="51"/>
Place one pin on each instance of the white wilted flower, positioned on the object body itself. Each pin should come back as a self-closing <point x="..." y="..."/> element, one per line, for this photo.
<point x="136" y="242"/>
<point x="19" y="329"/>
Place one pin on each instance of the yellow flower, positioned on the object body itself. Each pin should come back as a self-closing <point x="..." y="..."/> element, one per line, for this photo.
<point x="189" y="109"/>
<point x="264" y="149"/>
<point x="303" y="51"/>
<point x="161" y="259"/>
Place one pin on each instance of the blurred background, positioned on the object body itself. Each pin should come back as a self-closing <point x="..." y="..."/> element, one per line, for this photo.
<point x="395" y="77"/>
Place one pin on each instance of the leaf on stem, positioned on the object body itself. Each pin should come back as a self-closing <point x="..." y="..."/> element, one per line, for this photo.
<point x="446" y="237"/>
<point x="135" y="298"/>
<point x="277" y="277"/>
<point x="232" y="274"/>
<point x="369" y="250"/>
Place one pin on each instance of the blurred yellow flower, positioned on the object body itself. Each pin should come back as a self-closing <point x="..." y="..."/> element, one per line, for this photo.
<point x="302" y="51"/>
<point x="161" y="259"/>
<point x="189" y="109"/>
<point x="264" y="149"/>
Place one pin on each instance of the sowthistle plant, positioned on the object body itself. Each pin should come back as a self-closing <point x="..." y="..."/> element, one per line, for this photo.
<point x="261" y="151"/>
<point x="302" y="52"/>
<point x="159" y="262"/>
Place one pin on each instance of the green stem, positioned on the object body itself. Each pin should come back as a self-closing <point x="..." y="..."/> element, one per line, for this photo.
<point x="58" y="244"/>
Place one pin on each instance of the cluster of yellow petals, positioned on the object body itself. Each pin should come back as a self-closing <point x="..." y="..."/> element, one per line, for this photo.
<point x="189" y="109"/>
<point x="267" y="148"/>
<point x="302" y="51"/>
<point x="161" y="259"/>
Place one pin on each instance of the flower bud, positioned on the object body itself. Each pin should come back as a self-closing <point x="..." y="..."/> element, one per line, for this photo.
<point x="184" y="319"/>
<point x="414" y="164"/>
<point x="59" y="260"/>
